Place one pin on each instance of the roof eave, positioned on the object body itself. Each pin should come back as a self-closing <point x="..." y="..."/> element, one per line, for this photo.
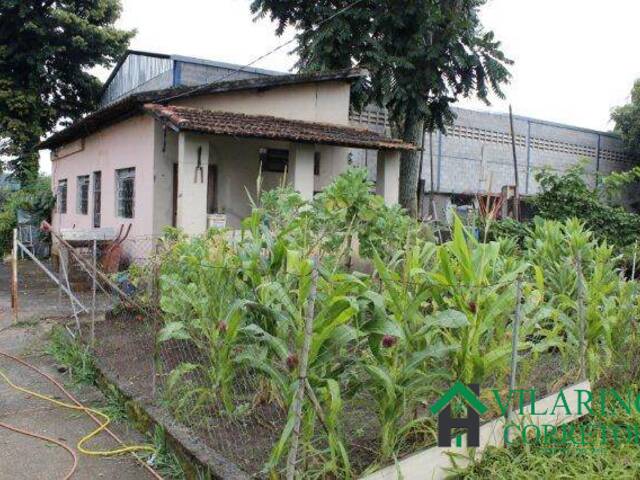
<point x="135" y="101"/>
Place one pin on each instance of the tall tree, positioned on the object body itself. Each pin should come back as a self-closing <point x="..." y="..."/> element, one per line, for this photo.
<point x="421" y="54"/>
<point x="627" y="119"/>
<point x="46" y="49"/>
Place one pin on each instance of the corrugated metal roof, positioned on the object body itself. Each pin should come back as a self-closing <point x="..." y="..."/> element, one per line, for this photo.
<point x="132" y="104"/>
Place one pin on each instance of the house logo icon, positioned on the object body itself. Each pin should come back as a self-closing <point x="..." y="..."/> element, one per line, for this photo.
<point x="446" y="422"/>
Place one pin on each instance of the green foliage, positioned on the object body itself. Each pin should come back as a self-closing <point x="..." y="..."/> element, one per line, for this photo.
<point x="46" y="51"/>
<point x="165" y="462"/>
<point x="567" y="196"/>
<point x="600" y="457"/>
<point x="36" y="199"/>
<point x="627" y="120"/>
<point x="76" y="357"/>
<point x="421" y="56"/>
<point x="557" y="251"/>
<point x="507" y="228"/>
<point x="383" y="343"/>
<point x="348" y="209"/>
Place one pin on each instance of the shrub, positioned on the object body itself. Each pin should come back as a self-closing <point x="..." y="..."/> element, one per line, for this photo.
<point x="568" y="196"/>
<point x="36" y="199"/>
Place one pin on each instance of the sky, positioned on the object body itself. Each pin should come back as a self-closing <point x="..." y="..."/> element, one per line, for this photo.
<point x="574" y="59"/>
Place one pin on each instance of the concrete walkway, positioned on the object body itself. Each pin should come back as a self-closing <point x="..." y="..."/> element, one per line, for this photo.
<point x="26" y="458"/>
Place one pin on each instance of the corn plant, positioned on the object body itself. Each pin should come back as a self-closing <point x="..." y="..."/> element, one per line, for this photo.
<point x="562" y="255"/>
<point x="199" y="298"/>
<point x="475" y="281"/>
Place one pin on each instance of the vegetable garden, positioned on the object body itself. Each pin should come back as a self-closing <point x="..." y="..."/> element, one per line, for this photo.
<point x="317" y="338"/>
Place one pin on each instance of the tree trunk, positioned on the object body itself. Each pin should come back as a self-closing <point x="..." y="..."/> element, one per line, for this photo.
<point x="410" y="164"/>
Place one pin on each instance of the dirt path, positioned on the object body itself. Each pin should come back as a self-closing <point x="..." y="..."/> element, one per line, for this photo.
<point x="25" y="458"/>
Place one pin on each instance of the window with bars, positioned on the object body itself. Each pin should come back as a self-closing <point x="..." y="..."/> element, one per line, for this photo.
<point x="82" y="195"/>
<point x="125" y="192"/>
<point x="97" y="198"/>
<point x="274" y="159"/>
<point x="62" y="195"/>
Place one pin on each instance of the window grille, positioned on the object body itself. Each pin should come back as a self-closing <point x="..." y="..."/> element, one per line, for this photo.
<point x="125" y="192"/>
<point x="97" y="198"/>
<point x="82" y="195"/>
<point x="62" y="195"/>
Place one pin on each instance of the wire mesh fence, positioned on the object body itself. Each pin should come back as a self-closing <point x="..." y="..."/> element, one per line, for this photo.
<point x="173" y="330"/>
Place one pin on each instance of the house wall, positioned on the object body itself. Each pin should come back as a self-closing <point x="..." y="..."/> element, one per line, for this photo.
<point x="315" y="102"/>
<point x="127" y="144"/>
<point x="165" y="155"/>
<point x="238" y="163"/>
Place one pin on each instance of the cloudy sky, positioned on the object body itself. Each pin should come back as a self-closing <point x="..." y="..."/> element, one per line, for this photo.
<point x="574" y="59"/>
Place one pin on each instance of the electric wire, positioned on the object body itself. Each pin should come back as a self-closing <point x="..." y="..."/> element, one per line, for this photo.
<point x="261" y="57"/>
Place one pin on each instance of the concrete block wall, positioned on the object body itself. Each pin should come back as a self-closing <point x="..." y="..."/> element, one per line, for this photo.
<point x="476" y="154"/>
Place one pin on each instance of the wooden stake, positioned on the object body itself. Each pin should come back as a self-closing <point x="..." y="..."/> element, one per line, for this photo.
<point x="93" y="293"/>
<point x="514" y="342"/>
<point x="633" y="267"/>
<point x="581" y="318"/>
<point x="302" y="376"/>
<point x="516" y="198"/>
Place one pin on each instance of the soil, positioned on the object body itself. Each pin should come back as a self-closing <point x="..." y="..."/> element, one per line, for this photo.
<point x="125" y="347"/>
<point x="124" y="344"/>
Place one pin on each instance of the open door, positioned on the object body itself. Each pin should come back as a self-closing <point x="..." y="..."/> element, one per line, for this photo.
<point x="212" y="189"/>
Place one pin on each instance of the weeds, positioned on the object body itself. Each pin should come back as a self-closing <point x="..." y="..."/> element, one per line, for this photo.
<point x="165" y="462"/>
<point x="72" y="354"/>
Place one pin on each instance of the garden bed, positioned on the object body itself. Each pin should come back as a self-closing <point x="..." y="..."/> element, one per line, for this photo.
<point x="125" y="352"/>
<point x="281" y="358"/>
<point x="125" y="349"/>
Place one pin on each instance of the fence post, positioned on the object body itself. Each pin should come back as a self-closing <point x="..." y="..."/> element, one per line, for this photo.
<point x="514" y="342"/>
<point x="93" y="292"/>
<point x="581" y="318"/>
<point x="302" y="375"/>
<point x="633" y="266"/>
<point x="14" y="276"/>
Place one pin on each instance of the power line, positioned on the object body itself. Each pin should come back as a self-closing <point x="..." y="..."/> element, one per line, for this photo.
<point x="261" y="57"/>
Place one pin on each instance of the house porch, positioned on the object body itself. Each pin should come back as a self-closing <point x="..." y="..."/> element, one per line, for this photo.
<point x="208" y="167"/>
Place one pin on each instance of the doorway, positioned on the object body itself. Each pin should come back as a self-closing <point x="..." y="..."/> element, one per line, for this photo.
<point x="174" y="196"/>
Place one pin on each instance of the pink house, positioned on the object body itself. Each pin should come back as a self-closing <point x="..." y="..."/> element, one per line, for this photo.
<point x="187" y="155"/>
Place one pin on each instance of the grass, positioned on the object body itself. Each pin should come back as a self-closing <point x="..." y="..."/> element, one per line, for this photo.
<point x="165" y="462"/>
<point x="606" y="460"/>
<point x="72" y="354"/>
<point x="567" y="462"/>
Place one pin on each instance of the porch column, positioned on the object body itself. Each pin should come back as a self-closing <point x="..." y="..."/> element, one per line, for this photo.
<point x="388" y="176"/>
<point x="302" y="169"/>
<point x="193" y="161"/>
